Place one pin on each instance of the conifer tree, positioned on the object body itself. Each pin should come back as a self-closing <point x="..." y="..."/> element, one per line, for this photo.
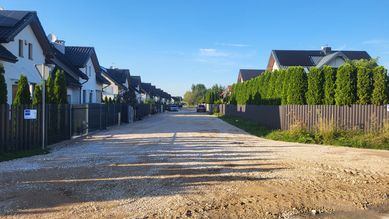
<point x="297" y="85"/>
<point x="37" y="95"/>
<point x="315" y="87"/>
<point x="345" y="92"/>
<point x="60" y="93"/>
<point x="3" y="86"/>
<point x="329" y="85"/>
<point x="380" y="86"/>
<point x="23" y="95"/>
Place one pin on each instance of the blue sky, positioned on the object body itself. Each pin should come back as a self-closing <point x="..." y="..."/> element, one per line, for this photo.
<point x="175" y="43"/>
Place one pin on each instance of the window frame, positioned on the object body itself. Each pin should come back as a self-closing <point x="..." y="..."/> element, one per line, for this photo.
<point x="30" y="51"/>
<point x="21" y="48"/>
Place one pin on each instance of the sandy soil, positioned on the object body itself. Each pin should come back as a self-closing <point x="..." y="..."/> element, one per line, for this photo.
<point x="194" y="165"/>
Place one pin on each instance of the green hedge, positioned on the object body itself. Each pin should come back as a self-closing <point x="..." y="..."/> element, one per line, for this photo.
<point x="355" y="82"/>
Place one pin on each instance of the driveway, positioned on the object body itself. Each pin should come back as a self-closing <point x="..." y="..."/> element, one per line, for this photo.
<point x="189" y="164"/>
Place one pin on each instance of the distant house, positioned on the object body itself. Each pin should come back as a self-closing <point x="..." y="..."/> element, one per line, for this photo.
<point x="135" y="85"/>
<point x="120" y="78"/>
<point x="23" y="44"/>
<point x="281" y="59"/>
<point x="85" y="59"/>
<point x="114" y="88"/>
<point x="247" y="74"/>
<point x="146" y="91"/>
<point x="73" y="75"/>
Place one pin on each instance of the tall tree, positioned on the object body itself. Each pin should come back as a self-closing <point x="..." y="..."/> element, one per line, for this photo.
<point x="345" y="92"/>
<point x="380" y="86"/>
<point x="364" y="84"/>
<point x="315" y="87"/>
<point x="60" y="93"/>
<point x="23" y="95"/>
<point x="329" y="85"/>
<point x="37" y="95"/>
<point x="297" y="85"/>
<point x="3" y="86"/>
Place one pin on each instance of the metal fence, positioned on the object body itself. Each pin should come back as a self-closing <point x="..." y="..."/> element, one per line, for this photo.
<point x="354" y="117"/>
<point x="62" y="122"/>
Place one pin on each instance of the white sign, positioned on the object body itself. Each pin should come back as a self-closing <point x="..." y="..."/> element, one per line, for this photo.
<point x="387" y="107"/>
<point x="30" y="114"/>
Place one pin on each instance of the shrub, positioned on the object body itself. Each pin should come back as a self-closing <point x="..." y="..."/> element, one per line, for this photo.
<point x="60" y="93"/>
<point x="23" y="95"/>
<point x="37" y="96"/>
<point x="364" y="85"/>
<point x="50" y="98"/>
<point x="380" y="86"/>
<point x="329" y="85"/>
<point x="315" y="87"/>
<point x="297" y="85"/>
<point x="3" y="86"/>
<point x="345" y="92"/>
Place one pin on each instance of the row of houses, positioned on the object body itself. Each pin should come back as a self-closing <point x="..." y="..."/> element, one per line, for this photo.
<point x="283" y="59"/>
<point x="24" y="45"/>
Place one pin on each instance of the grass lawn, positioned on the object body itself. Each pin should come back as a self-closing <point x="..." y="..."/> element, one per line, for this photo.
<point x="19" y="154"/>
<point x="332" y="137"/>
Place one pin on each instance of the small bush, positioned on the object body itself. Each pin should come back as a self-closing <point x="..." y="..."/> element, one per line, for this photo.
<point x="23" y="95"/>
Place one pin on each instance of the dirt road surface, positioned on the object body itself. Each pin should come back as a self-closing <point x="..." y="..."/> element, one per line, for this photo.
<point x="191" y="165"/>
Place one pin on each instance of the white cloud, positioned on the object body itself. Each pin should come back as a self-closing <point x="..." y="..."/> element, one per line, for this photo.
<point x="209" y="52"/>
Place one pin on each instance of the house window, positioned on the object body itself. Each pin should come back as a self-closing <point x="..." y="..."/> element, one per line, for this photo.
<point x="21" y="48"/>
<point x="90" y="96"/>
<point x="90" y="71"/>
<point x="83" y="96"/>
<point x="30" y="51"/>
<point x="86" y="70"/>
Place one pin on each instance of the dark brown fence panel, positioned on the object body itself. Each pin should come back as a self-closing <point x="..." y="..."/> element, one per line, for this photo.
<point x="57" y="123"/>
<point x="79" y="119"/>
<point x="4" y="127"/>
<point x="143" y="110"/>
<point x="354" y="117"/>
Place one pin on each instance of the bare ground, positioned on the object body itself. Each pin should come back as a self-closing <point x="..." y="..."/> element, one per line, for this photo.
<point x="194" y="165"/>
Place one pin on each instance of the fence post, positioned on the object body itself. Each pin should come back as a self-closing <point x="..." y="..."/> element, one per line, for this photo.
<point x="87" y="118"/>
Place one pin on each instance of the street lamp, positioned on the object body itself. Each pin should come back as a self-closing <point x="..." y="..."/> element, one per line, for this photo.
<point x="44" y="71"/>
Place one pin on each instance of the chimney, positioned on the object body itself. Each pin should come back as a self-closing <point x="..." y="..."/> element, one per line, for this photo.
<point x="326" y="50"/>
<point x="60" y="45"/>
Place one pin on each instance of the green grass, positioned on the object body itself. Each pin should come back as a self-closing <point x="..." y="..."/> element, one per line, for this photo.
<point x="339" y="138"/>
<point x="19" y="154"/>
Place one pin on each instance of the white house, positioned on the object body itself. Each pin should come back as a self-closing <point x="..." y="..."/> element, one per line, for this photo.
<point x="281" y="59"/>
<point x="135" y="84"/>
<point x="85" y="59"/>
<point x="23" y="45"/>
<point x="73" y="75"/>
<point x="114" y="88"/>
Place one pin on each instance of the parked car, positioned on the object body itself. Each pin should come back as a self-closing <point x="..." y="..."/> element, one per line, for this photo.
<point x="173" y="107"/>
<point x="201" y="108"/>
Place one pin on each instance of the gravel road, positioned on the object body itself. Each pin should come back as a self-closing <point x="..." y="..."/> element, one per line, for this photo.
<point x="194" y="165"/>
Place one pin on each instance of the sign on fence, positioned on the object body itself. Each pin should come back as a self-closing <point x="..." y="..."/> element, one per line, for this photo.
<point x="387" y="107"/>
<point x="30" y="113"/>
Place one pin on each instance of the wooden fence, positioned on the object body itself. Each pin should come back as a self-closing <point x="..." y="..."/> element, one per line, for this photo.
<point x="354" y="117"/>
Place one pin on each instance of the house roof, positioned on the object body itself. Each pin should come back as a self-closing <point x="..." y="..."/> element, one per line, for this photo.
<point x="135" y="81"/>
<point x="101" y="79"/>
<point x="12" y="22"/>
<point x="312" y="57"/>
<point x="146" y="87"/>
<point x="119" y="75"/>
<point x="247" y="74"/>
<point x="62" y="61"/>
<point x="7" y="55"/>
<point x="79" y="55"/>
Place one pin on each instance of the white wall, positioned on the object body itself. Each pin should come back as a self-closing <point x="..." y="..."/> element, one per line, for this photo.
<point x="337" y="62"/>
<point x="74" y="95"/>
<point x="112" y="90"/>
<point x="24" y="65"/>
<point x="90" y="86"/>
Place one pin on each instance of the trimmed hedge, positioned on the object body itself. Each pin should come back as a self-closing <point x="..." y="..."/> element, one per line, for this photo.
<point x="355" y="82"/>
